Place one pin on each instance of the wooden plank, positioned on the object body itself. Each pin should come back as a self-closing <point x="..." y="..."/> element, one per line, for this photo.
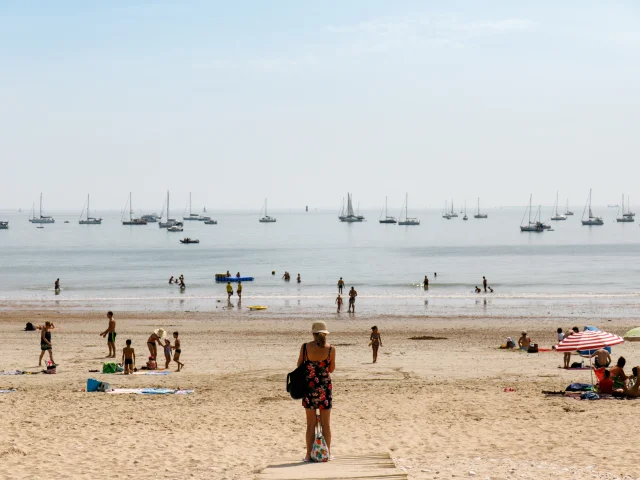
<point x="373" y="466"/>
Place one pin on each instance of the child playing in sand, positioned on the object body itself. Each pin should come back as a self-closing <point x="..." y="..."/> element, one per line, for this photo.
<point x="177" y="351"/>
<point x="167" y="353"/>
<point x="339" y="303"/>
<point x="128" y="358"/>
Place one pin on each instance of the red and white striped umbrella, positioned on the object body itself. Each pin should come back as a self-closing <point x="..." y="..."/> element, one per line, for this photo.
<point x="588" y="340"/>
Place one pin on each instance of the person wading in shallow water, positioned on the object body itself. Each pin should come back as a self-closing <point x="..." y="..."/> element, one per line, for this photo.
<point x="352" y="300"/>
<point x="321" y="362"/>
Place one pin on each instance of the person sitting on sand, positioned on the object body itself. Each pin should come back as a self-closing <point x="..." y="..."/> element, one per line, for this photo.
<point x="617" y="373"/>
<point x="477" y="289"/>
<point x="602" y="358"/>
<point x="156" y="337"/>
<point x="606" y="384"/>
<point x="524" y="341"/>
<point x="177" y="350"/>
<point x="633" y="391"/>
<point x="509" y="343"/>
<point x="128" y="358"/>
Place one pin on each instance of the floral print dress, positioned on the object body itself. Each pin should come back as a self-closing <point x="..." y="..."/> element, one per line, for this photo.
<point x="319" y="380"/>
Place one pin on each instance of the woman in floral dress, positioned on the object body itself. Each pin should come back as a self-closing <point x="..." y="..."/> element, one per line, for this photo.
<point x="320" y="358"/>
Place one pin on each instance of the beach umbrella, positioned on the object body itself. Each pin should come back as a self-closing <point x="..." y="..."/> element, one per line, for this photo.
<point x="633" y="335"/>
<point x="588" y="340"/>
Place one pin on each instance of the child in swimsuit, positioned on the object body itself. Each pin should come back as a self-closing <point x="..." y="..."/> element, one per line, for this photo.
<point x="376" y="342"/>
<point x="167" y="353"/>
<point x="128" y="358"/>
<point x="177" y="351"/>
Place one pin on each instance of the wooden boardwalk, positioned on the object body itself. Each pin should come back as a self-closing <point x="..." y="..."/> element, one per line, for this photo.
<point x="377" y="465"/>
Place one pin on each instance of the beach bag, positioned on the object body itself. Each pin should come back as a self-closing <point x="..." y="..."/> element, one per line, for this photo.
<point x="319" y="450"/>
<point x="576" y="365"/>
<point x="109" y="367"/>
<point x="51" y="369"/>
<point x="103" y="387"/>
<point x="533" y="348"/>
<point x="297" y="380"/>
<point x="29" y="327"/>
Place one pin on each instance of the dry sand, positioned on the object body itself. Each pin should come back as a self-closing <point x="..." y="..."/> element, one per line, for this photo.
<point x="437" y="405"/>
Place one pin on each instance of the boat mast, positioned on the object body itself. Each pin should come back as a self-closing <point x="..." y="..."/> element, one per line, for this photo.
<point x="130" y="208"/>
<point x="40" y="204"/>
<point x="478" y="205"/>
<point x="386" y="213"/>
<point x="406" y="206"/>
<point x="168" y="216"/>
<point x="530" y="195"/>
<point x="189" y="203"/>
<point x="87" y="206"/>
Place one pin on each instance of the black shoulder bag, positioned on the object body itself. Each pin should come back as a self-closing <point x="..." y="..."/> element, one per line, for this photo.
<point x="297" y="380"/>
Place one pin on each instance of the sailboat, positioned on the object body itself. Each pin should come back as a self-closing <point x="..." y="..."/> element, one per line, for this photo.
<point x="387" y="218"/>
<point x="407" y="220"/>
<point x="131" y="221"/>
<point x="567" y="212"/>
<point x="478" y="214"/>
<point x="445" y="212"/>
<point x="206" y="218"/>
<point x="4" y="225"/>
<point x="192" y="216"/>
<point x="266" y="218"/>
<point x="591" y="220"/>
<point x="629" y="212"/>
<point x="465" y="210"/>
<point x="40" y="218"/>
<point x="453" y="214"/>
<point x="557" y="216"/>
<point x="534" y="226"/>
<point x="171" y="222"/>
<point x="349" y="216"/>
<point x="89" y="220"/>
<point x="625" y="217"/>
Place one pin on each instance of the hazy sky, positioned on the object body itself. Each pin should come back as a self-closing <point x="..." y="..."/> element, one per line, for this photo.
<point x="301" y="102"/>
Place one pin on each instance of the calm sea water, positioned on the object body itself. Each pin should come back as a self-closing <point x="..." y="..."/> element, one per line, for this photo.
<point x="573" y="270"/>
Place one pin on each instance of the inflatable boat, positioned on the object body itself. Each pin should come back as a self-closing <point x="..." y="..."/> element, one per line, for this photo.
<point x="234" y="279"/>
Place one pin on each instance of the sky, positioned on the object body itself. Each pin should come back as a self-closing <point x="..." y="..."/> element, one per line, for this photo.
<point x="302" y="102"/>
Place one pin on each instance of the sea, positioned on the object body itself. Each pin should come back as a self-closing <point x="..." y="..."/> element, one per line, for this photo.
<point x="572" y="270"/>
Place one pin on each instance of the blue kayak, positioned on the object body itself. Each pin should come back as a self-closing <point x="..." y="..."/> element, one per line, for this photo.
<point x="234" y="279"/>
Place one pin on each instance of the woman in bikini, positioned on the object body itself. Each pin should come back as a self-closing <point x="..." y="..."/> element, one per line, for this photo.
<point x="156" y="338"/>
<point x="376" y="342"/>
<point x="321" y="362"/>
<point x="45" y="342"/>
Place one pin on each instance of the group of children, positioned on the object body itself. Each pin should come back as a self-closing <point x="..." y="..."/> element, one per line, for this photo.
<point x="129" y="354"/>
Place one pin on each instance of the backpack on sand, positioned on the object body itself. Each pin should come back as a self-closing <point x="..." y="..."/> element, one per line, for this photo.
<point x="297" y="380"/>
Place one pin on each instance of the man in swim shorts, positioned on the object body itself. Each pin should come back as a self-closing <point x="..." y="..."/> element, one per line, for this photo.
<point x="602" y="358"/>
<point x="352" y="300"/>
<point x="128" y="358"/>
<point x="229" y="290"/>
<point x="524" y="341"/>
<point x="110" y="333"/>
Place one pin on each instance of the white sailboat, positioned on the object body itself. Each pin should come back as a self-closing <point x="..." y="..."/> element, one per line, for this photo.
<point x="349" y="216"/>
<point x="89" y="220"/>
<point x="625" y="217"/>
<point x="592" y="220"/>
<point x="556" y="216"/>
<point x="40" y="218"/>
<point x="629" y="212"/>
<point x="465" y="218"/>
<point x="266" y="218"/>
<point x="477" y="213"/>
<point x="452" y="214"/>
<point x="407" y="220"/>
<point x="192" y="216"/>
<point x="536" y="225"/>
<point x="171" y="222"/>
<point x="387" y="218"/>
<point x="131" y="221"/>
<point x="567" y="212"/>
<point x="445" y="212"/>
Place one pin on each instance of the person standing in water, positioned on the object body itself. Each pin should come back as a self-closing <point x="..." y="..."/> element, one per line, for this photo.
<point x="239" y="291"/>
<point x="229" y="290"/>
<point x="299" y="279"/>
<point x="339" y="303"/>
<point x="110" y="333"/>
<point x="376" y="342"/>
<point x="484" y="283"/>
<point x="340" y="285"/>
<point x="56" y="285"/>
<point x="352" y="300"/>
<point x="426" y="282"/>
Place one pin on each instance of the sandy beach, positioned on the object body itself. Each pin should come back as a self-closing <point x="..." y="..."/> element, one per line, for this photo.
<point x="438" y="406"/>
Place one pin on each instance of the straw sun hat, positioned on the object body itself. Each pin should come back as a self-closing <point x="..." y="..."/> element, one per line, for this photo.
<point x="160" y="332"/>
<point x="319" y="327"/>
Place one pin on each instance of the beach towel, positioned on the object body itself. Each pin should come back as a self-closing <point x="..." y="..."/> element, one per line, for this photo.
<point x="152" y="372"/>
<point x="152" y="391"/>
<point x="579" y="387"/>
<point x="589" y="396"/>
<point x="8" y="391"/>
<point x="13" y="372"/>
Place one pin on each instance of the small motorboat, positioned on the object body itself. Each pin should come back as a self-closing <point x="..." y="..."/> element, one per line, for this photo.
<point x="210" y="222"/>
<point x="175" y="228"/>
<point x="189" y="240"/>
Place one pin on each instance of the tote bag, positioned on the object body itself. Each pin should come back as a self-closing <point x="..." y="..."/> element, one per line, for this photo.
<point x="297" y="380"/>
<point x="319" y="450"/>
